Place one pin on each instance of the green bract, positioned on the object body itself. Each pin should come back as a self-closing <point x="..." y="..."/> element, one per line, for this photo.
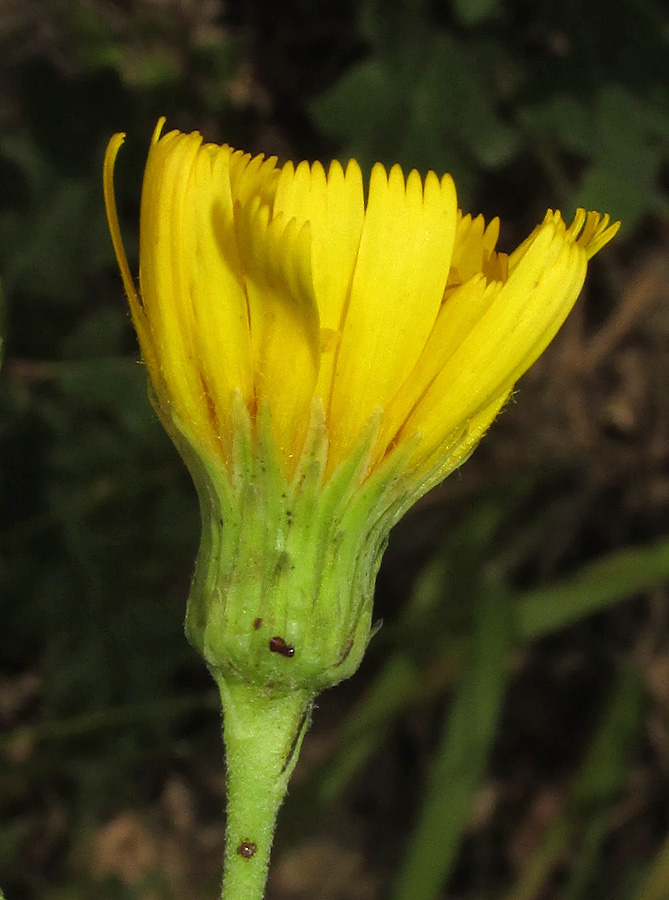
<point x="283" y="588"/>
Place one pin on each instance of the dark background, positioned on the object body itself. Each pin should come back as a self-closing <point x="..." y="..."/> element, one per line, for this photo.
<point x="521" y="678"/>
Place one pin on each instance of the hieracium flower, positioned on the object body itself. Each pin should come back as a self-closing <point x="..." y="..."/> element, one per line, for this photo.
<point x="322" y="355"/>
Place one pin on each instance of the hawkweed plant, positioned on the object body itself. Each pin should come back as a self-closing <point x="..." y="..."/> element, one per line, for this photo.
<point x="321" y="355"/>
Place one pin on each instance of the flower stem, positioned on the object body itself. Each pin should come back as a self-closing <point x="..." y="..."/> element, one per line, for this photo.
<point x="263" y="733"/>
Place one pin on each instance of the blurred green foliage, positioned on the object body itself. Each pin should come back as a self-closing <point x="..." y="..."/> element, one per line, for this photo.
<point x="476" y="87"/>
<point x="529" y="105"/>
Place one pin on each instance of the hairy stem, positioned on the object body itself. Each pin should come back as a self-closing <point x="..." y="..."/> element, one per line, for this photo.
<point x="263" y="732"/>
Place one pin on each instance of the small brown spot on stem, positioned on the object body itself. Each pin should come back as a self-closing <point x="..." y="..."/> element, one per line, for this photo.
<point x="247" y="849"/>
<point x="257" y="623"/>
<point x="278" y="645"/>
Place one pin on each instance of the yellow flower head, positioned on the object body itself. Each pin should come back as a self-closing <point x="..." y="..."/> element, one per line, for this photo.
<point x="288" y="286"/>
<point x="322" y="355"/>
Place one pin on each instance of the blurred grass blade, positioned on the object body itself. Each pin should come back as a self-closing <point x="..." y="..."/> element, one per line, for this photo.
<point x="585" y="863"/>
<point x="592" y="589"/>
<point x="595" y="790"/>
<point x="462" y="756"/>
<point x="401" y="685"/>
<point x="366" y="728"/>
<point x="111" y="718"/>
<point x="656" y="884"/>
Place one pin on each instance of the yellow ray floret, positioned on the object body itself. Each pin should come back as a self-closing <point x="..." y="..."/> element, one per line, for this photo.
<point x="285" y="286"/>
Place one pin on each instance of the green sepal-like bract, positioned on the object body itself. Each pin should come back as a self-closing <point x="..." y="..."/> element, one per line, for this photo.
<point x="283" y="587"/>
<point x="284" y="582"/>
